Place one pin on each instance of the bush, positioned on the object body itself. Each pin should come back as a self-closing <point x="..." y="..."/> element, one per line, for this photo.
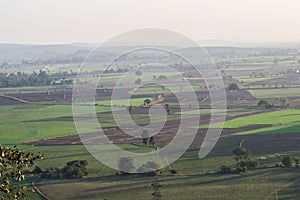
<point x="225" y="169"/>
<point x="75" y="169"/>
<point x="37" y="170"/>
<point x="288" y="162"/>
<point x="265" y="104"/>
<point x="241" y="169"/>
<point x="233" y="86"/>
<point x="252" y="165"/>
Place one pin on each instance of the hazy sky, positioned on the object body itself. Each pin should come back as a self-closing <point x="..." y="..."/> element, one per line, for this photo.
<point x="66" y="21"/>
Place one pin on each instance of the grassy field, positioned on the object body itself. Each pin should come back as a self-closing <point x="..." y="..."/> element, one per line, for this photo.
<point x="275" y="93"/>
<point x="283" y="121"/>
<point x="28" y="122"/>
<point x="229" y="112"/>
<point x="260" y="184"/>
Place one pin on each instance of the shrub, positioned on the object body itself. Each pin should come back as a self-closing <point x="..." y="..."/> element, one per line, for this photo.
<point x="225" y="169"/>
<point x="233" y="86"/>
<point x="288" y="162"/>
<point x="75" y="169"/>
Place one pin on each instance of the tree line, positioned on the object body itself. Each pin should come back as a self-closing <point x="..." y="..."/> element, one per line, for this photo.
<point x="42" y="78"/>
<point x="21" y="79"/>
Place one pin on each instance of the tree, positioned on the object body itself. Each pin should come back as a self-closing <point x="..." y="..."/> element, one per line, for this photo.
<point x="138" y="81"/>
<point x="145" y="137"/>
<point x="126" y="165"/>
<point x="13" y="163"/>
<point x="242" y="156"/>
<point x="241" y="153"/>
<point x="146" y="102"/>
<point x="167" y="108"/>
<point x="265" y="104"/>
<point x="233" y="86"/>
<point x="130" y="108"/>
<point x="225" y="169"/>
<point x="75" y="169"/>
<point x="151" y="141"/>
<point x="288" y="162"/>
<point x="284" y="101"/>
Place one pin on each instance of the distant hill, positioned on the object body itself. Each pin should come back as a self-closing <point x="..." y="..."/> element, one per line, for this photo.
<point x="81" y="50"/>
<point x="28" y="51"/>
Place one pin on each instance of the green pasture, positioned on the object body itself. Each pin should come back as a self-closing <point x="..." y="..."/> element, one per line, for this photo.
<point x="251" y="79"/>
<point x="275" y="92"/>
<point x="260" y="184"/>
<point x="28" y="122"/>
<point x="283" y="121"/>
<point x="229" y="112"/>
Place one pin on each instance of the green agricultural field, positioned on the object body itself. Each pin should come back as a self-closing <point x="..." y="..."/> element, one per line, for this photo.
<point x="260" y="184"/>
<point x="28" y="122"/>
<point x="275" y="93"/>
<point x="283" y="121"/>
<point x="251" y="79"/>
<point x="124" y="102"/>
<point x="229" y="112"/>
<point x="132" y="77"/>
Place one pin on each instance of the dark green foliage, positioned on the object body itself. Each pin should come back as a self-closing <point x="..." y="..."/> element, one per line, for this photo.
<point x="242" y="156"/>
<point x="75" y="169"/>
<point x="252" y="164"/>
<point x="130" y="108"/>
<point x="145" y="137"/>
<point x="147" y="101"/>
<point x="13" y="164"/>
<point x="225" y="169"/>
<point x="265" y="104"/>
<point x="297" y="162"/>
<point x="151" y="141"/>
<point x="37" y="170"/>
<point x="23" y="79"/>
<point x="233" y="86"/>
<point x="288" y="162"/>
<point x="167" y="108"/>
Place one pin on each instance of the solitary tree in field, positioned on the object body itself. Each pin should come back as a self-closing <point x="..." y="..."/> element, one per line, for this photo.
<point x="233" y="86"/>
<point x="167" y="108"/>
<point x="145" y="137"/>
<point x="130" y="108"/>
<point x="147" y="102"/>
<point x="151" y="141"/>
<point x="13" y="163"/>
